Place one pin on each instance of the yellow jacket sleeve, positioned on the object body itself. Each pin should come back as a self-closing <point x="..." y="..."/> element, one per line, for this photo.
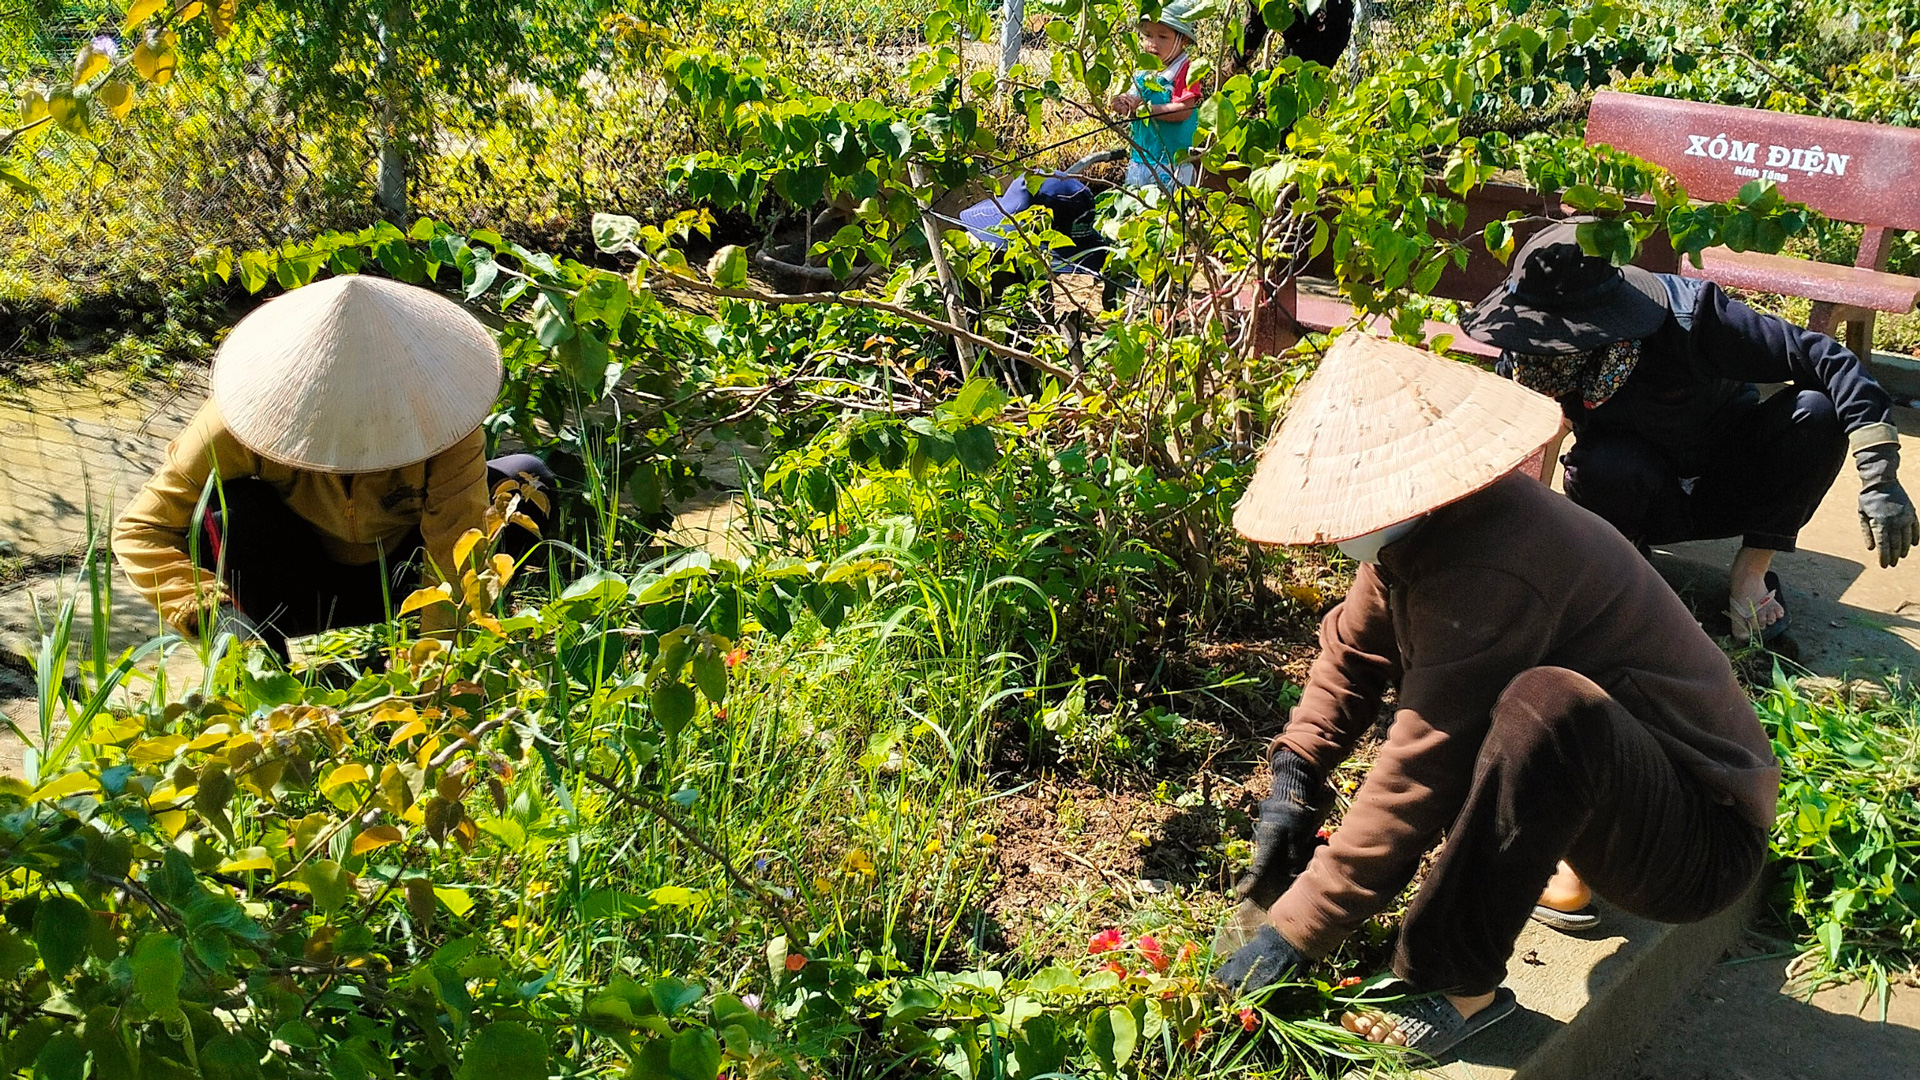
<point x="150" y="539"/>
<point x="456" y="501"/>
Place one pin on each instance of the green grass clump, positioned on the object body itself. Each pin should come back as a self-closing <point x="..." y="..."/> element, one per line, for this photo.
<point x="1848" y="832"/>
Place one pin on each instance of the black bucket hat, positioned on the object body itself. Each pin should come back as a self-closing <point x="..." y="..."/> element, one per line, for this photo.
<point x="1559" y="299"/>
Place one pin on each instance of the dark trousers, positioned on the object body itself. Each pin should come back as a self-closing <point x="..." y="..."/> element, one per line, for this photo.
<point x="279" y="574"/>
<point x="1763" y="483"/>
<point x="1566" y="772"/>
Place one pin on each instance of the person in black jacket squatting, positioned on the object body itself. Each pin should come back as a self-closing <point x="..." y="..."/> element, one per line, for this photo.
<point x="1673" y="441"/>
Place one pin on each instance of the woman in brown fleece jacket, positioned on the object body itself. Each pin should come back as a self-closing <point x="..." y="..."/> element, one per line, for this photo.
<point x="1556" y="700"/>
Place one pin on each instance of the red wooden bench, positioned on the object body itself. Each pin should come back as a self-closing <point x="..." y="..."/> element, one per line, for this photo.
<point x="1866" y="174"/>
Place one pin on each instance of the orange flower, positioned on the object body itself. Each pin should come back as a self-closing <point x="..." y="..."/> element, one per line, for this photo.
<point x="1351" y="980"/>
<point x="1150" y="948"/>
<point x="1249" y="1019"/>
<point x="1187" y="952"/>
<point x="1116" y="967"/>
<point x="1105" y="941"/>
<point x="738" y="654"/>
<point x="796" y="961"/>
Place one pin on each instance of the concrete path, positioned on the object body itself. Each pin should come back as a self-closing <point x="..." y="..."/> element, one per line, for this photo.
<point x="76" y="454"/>
<point x="1748" y="1021"/>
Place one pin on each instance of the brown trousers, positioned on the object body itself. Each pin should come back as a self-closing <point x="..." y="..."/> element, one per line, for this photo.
<point x="1567" y="772"/>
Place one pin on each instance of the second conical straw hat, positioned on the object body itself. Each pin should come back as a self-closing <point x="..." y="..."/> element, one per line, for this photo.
<point x="355" y="375"/>
<point x="1382" y="433"/>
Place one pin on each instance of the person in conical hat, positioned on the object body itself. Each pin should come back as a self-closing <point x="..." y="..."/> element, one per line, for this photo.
<point x="1556" y="700"/>
<point x="1657" y="374"/>
<point x="342" y="437"/>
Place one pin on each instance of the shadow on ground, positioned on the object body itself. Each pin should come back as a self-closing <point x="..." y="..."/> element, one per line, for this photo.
<point x="1742" y="1023"/>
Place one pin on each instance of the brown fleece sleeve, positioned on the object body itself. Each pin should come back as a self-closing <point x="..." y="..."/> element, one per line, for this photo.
<point x="150" y="539"/>
<point x="1358" y="660"/>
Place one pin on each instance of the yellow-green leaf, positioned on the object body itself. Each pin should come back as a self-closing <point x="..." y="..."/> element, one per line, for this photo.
<point x="457" y="900"/>
<point x="87" y="63"/>
<point x="253" y="858"/>
<point x="463" y="547"/>
<point x="375" y="837"/>
<point x="155" y="751"/>
<point x="441" y="593"/>
<point x="140" y="11"/>
<point x="118" y="98"/>
<point x="74" y="783"/>
<point x="33" y="106"/>
<point x="407" y="731"/>
<point x="354" y="773"/>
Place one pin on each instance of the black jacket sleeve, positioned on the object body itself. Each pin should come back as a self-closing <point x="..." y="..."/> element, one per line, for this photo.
<point x="1733" y="341"/>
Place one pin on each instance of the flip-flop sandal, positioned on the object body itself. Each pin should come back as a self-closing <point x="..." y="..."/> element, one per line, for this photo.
<point x="1585" y="918"/>
<point x="1771" y="632"/>
<point x="1433" y="1026"/>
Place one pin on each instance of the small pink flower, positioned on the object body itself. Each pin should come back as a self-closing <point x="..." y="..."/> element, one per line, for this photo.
<point x="1249" y="1019"/>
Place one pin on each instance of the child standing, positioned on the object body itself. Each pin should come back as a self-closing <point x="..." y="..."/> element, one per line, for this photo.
<point x="1163" y="134"/>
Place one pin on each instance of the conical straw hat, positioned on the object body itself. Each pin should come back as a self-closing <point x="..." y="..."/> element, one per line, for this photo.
<point x="1382" y="433"/>
<point x="355" y="375"/>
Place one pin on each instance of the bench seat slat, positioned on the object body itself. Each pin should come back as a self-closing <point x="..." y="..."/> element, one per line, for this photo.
<point x="1852" y="286"/>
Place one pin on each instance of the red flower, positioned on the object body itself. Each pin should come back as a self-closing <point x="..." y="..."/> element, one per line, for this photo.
<point x="796" y="961"/>
<point x="1116" y="967"/>
<point x="738" y="654"/>
<point x="1351" y="980"/>
<point x="1249" y="1019"/>
<point x="1199" y="1036"/>
<point x="1324" y="833"/>
<point x="1150" y="948"/>
<point x="1105" y="941"/>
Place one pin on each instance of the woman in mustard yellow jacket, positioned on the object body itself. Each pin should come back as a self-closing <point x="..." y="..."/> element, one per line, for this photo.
<point x="337" y="462"/>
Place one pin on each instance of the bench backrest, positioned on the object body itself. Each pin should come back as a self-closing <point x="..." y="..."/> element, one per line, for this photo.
<point x="1868" y="174"/>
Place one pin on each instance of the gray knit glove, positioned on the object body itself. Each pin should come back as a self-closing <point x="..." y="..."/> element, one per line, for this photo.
<point x="1887" y="518"/>
<point x="1286" y="835"/>
<point x="1260" y="963"/>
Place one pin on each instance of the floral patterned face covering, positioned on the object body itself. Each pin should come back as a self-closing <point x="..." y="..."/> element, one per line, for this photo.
<point x="1595" y="375"/>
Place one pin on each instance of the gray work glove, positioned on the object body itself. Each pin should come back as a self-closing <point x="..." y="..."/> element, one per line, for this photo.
<point x="231" y="620"/>
<point x="1260" y="963"/>
<point x="1286" y="835"/>
<point x="1887" y="518"/>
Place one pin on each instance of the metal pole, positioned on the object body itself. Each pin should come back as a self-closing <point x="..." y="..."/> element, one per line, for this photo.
<point x="1013" y="27"/>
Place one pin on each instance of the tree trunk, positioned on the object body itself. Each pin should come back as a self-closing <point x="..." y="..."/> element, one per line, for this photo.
<point x="392" y="176"/>
<point x="1013" y="28"/>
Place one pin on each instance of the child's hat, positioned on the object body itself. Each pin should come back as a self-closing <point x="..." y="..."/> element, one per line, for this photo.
<point x="1383" y="433"/>
<point x="355" y="375"/>
<point x="1182" y="15"/>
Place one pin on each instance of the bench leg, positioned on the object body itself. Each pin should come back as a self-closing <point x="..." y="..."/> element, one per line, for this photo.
<point x="1859" y="337"/>
<point x="1824" y="318"/>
